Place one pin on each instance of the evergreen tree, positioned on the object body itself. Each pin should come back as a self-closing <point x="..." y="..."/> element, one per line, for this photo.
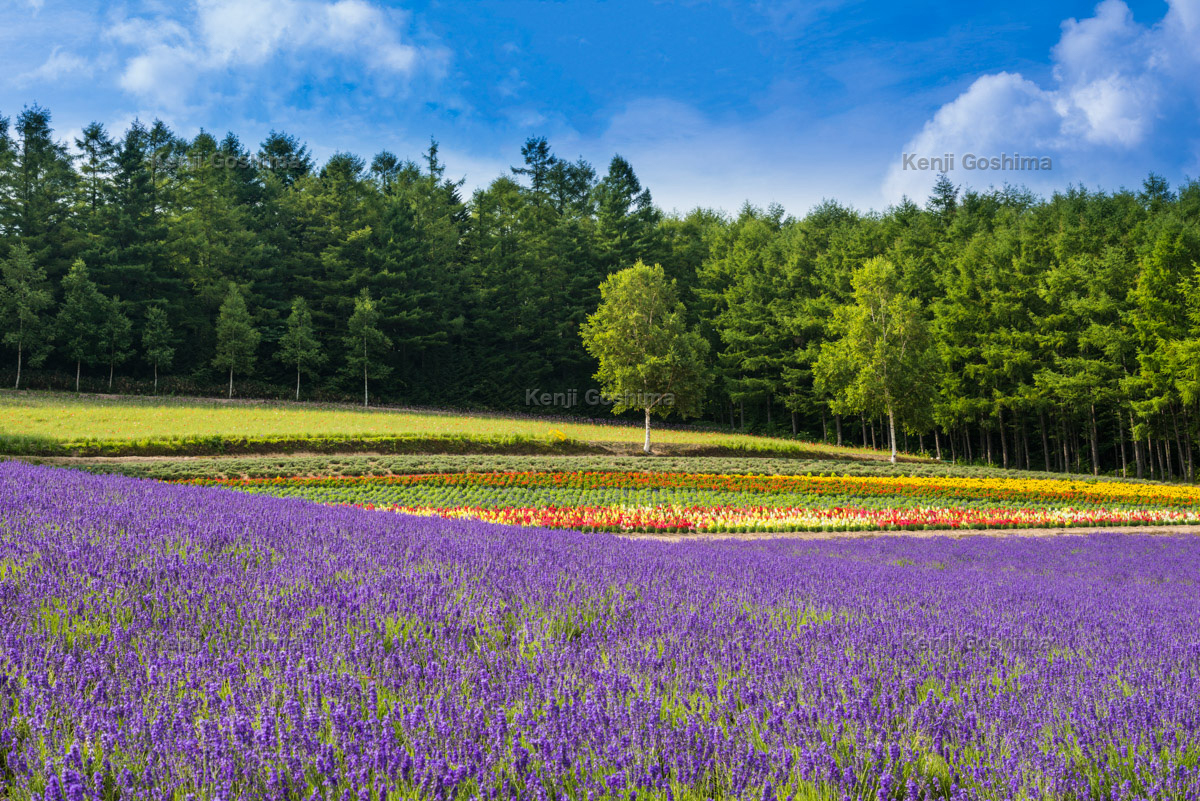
<point x="944" y="199"/>
<point x="24" y="299"/>
<point x="299" y="345"/>
<point x="80" y="319"/>
<point x="648" y="358"/>
<point x="95" y="167"/>
<point x="37" y="192"/>
<point x="285" y="157"/>
<point x="158" y="340"/>
<point x="627" y="221"/>
<point x="365" y="343"/>
<point x="237" y="338"/>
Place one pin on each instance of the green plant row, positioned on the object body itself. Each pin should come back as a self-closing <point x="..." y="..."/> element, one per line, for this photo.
<point x="18" y="445"/>
<point x="408" y="463"/>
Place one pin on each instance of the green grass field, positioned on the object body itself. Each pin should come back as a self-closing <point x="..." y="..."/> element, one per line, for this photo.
<point x="58" y="424"/>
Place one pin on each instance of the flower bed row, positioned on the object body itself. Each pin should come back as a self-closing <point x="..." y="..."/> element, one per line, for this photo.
<point x="668" y="519"/>
<point x="633" y="501"/>
<point x="1013" y="489"/>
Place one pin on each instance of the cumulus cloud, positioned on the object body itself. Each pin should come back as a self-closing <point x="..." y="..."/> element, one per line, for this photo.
<point x="1120" y="95"/>
<point x="173" y="55"/>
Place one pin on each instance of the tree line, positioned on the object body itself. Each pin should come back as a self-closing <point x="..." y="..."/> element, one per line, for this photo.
<point x="1057" y="333"/>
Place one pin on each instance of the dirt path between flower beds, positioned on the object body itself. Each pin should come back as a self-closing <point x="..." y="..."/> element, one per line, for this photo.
<point x="925" y="533"/>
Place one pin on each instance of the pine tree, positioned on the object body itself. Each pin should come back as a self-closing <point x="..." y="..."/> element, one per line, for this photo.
<point x="627" y="221"/>
<point x="37" y="190"/>
<point x="237" y="338"/>
<point x="96" y="166"/>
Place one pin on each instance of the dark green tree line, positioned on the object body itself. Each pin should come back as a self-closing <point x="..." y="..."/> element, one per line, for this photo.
<point x="1060" y="333"/>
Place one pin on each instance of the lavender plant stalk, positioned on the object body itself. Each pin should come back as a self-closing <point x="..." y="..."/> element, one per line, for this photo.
<point x="171" y="642"/>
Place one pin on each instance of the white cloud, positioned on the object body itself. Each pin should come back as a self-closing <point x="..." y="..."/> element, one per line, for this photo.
<point x="59" y="65"/>
<point x="1117" y="88"/>
<point x="239" y="34"/>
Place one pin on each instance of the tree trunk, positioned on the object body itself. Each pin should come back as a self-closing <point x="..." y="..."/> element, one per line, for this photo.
<point x="77" y="376"/>
<point x="1121" y="445"/>
<point x="1187" y="436"/>
<point x="937" y="443"/>
<point x="892" y="431"/>
<point x="1095" y="444"/>
<point x="111" y="366"/>
<point x="837" y="421"/>
<point x="1025" y="443"/>
<point x="741" y="415"/>
<point x="1079" y="450"/>
<point x="795" y="425"/>
<point x="874" y="443"/>
<point x="862" y="418"/>
<point x="1045" y="441"/>
<point x="156" y="378"/>
<point x="1062" y="425"/>
<point x="231" y="383"/>
<point x="824" y="427"/>
<point x="297" y="382"/>
<point x="1183" y="471"/>
<point x="646" y="444"/>
<point x="1139" y="458"/>
<point x="1003" y="439"/>
<point x="768" y="412"/>
<point x="18" y="384"/>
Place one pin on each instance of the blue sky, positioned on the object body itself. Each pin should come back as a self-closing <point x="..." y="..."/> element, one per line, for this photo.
<point x="714" y="103"/>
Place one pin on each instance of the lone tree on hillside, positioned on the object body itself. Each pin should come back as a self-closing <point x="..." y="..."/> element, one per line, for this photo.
<point x="882" y="363"/>
<point x="237" y="339"/>
<point x="157" y="341"/>
<point x="80" y="319"/>
<point x="365" y="342"/>
<point x="24" y="298"/>
<point x="648" y="357"/>
<point x="299" y="345"/>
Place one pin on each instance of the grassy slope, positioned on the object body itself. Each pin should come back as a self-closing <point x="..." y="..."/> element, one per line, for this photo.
<point x="48" y="424"/>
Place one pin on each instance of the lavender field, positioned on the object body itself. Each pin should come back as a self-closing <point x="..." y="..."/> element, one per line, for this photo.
<point x="175" y="642"/>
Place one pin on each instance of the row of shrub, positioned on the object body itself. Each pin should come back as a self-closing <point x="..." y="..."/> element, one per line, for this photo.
<point x="562" y="461"/>
<point x="20" y="445"/>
